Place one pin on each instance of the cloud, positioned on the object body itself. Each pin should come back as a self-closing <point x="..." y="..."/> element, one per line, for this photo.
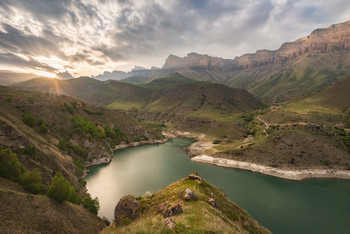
<point x="14" y="60"/>
<point x="96" y="35"/>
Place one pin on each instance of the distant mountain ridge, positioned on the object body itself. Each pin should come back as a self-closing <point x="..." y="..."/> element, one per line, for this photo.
<point x="119" y="75"/>
<point x="296" y="70"/>
<point x="324" y="40"/>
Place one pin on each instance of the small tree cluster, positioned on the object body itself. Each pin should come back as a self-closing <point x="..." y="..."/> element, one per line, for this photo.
<point x="68" y="147"/>
<point x="12" y="169"/>
<point x="85" y="128"/>
<point x="61" y="190"/>
<point x="39" y="124"/>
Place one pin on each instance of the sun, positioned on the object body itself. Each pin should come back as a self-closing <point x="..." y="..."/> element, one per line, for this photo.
<point x="46" y="74"/>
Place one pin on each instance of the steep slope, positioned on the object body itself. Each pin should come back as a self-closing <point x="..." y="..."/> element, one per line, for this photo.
<point x="27" y="213"/>
<point x="336" y="96"/>
<point x="63" y="129"/>
<point x="120" y="93"/>
<point x="297" y="69"/>
<point x="201" y="96"/>
<point x="167" y="82"/>
<point x="205" y="209"/>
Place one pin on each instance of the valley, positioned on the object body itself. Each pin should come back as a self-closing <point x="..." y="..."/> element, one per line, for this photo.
<point x="67" y="143"/>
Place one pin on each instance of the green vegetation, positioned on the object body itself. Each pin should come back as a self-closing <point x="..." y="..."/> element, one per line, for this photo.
<point x="59" y="188"/>
<point x="68" y="108"/>
<point x="28" y="119"/>
<point x="80" y="167"/>
<point x="68" y="147"/>
<point x="346" y="141"/>
<point x="31" y="181"/>
<point x="90" y="112"/>
<point x="198" y="216"/>
<point x="39" y="124"/>
<point x="85" y="128"/>
<point x="10" y="167"/>
<point x="90" y="204"/>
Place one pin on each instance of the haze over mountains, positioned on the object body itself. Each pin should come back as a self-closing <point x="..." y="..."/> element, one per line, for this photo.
<point x="296" y="69"/>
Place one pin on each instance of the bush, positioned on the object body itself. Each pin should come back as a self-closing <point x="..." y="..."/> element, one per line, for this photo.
<point x="29" y="150"/>
<point x="85" y="128"/>
<point x="31" y="181"/>
<point x="80" y="151"/>
<point x="90" y="204"/>
<point x="65" y="145"/>
<point x="80" y="167"/>
<point x="42" y="126"/>
<point x="59" y="188"/>
<point x="73" y="196"/>
<point x="28" y="120"/>
<point x="68" y="108"/>
<point x="10" y="167"/>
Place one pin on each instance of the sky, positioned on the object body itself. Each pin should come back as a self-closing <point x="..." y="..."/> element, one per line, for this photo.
<point x="88" y="37"/>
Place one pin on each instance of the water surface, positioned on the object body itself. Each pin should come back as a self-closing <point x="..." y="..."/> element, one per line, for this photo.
<point x="283" y="206"/>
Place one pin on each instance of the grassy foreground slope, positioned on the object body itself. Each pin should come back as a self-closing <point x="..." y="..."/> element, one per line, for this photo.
<point x="22" y="212"/>
<point x="211" y="212"/>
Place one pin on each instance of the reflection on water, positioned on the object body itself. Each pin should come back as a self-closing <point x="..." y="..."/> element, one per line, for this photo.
<point x="283" y="206"/>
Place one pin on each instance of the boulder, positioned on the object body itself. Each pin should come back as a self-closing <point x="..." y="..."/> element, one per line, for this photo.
<point x="189" y="194"/>
<point x="212" y="202"/>
<point x="169" y="223"/>
<point x="126" y="210"/>
<point x="172" y="210"/>
<point x="163" y="206"/>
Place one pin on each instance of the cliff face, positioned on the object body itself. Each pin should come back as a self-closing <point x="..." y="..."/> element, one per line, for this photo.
<point x="330" y="39"/>
<point x="197" y="60"/>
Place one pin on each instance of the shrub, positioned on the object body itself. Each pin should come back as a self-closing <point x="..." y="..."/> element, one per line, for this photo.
<point x="73" y="196"/>
<point x="10" y="167"/>
<point x="80" y="167"/>
<point x="68" y="108"/>
<point x="90" y="204"/>
<point x="109" y="132"/>
<point x="59" y="188"/>
<point x="29" y="150"/>
<point x="84" y="127"/>
<point x="31" y="181"/>
<point x="28" y="120"/>
<point x="65" y="145"/>
<point x="42" y="126"/>
<point x="9" y="99"/>
<point x="80" y="151"/>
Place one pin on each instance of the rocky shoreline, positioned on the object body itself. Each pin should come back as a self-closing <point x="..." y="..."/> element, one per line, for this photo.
<point x="197" y="150"/>
<point x="277" y="172"/>
<point x="108" y="159"/>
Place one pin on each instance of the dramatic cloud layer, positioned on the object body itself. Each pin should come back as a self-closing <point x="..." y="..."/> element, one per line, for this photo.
<point x="87" y="37"/>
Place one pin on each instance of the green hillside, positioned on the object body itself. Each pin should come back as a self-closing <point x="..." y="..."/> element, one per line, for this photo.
<point x="207" y="210"/>
<point x="167" y="82"/>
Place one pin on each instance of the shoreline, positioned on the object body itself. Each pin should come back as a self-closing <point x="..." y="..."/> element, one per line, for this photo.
<point x="108" y="159"/>
<point x="271" y="171"/>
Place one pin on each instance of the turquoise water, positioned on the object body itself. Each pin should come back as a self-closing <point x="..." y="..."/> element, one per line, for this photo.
<point x="283" y="206"/>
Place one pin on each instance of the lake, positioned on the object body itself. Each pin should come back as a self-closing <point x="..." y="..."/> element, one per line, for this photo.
<point x="282" y="206"/>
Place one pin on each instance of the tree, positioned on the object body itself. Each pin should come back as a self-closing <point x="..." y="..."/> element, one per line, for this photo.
<point x="28" y="120"/>
<point x="31" y="181"/>
<point x="10" y="167"/>
<point x="90" y="204"/>
<point x="73" y="196"/>
<point x="59" y="188"/>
